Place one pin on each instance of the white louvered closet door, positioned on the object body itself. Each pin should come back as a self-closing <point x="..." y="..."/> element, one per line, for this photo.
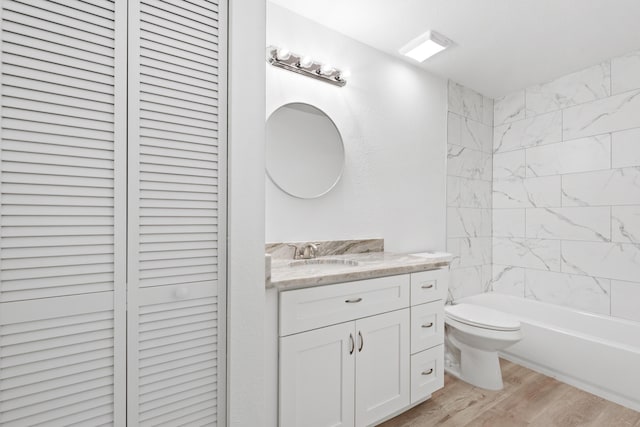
<point x="176" y="215"/>
<point x="62" y="212"/>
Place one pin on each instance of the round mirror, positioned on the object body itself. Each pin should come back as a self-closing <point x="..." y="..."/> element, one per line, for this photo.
<point x="304" y="151"/>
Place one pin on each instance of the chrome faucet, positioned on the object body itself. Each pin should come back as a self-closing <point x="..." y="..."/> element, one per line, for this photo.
<point x="306" y="251"/>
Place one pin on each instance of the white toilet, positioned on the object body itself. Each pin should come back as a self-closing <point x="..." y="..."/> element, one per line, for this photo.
<point x="474" y="335"/>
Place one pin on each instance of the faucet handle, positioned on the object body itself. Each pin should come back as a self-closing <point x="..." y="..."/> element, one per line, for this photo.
<point x="297" y="252"/>
<point x="304" y="251"/>
<point x="313" y="249"/>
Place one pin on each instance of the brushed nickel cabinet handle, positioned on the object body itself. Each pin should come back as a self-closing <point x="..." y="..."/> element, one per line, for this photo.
<point x="361" y="341"/>
<point x="429" y="372"/>
<point x="353" y="344"/>
<point x="427" y="325"/>
<point x="353" y="300"/>
<point x="429" y="286"/>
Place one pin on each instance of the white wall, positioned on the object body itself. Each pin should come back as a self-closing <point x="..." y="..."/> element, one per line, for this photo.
<point x="392" y="117"/>
<point x="246" y="292"/>
<point x="566" y="190"/>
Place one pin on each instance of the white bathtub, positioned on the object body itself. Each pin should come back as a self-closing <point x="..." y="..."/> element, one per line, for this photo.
<point x="596" y="353"/>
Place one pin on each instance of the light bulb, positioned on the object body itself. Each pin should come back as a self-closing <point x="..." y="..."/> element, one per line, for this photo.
<point x="306" y="62"/>
<point x="283" y="54"/>
<point x="344" y="74"/>
<point x="326" y="69"/>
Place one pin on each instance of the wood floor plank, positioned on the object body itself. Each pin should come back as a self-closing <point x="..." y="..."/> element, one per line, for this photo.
<point x="529" y="399"/>
<point x="573" y="408"/>
<point x="619" y="416"/>
<point x="496" y="418"/>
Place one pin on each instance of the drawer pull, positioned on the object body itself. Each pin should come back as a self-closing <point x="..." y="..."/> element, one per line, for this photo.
<point x="429" y="372"/>
<point x="353" y="344"/>
<point x="429" y="286"/>
<point x="361" y="341"/>
<point x="353" y="300"/>
<point x="427" y="325"/>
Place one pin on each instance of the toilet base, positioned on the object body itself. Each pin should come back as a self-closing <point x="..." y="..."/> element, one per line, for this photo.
<point x="481" y="368"/>
<point x="478" y="367"/>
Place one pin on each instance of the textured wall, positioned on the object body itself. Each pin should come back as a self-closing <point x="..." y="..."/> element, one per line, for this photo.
<point x="392" y="117"/>
<point x="566" y="190"/>
<point x="469" y="147"/>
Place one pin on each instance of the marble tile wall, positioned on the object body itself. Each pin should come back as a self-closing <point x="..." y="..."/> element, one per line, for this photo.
<point x="566" y="189"/>
<point x="469" y="170"/>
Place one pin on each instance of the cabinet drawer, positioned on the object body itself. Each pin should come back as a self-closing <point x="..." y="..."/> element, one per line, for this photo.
<point x="427" y="325"/>
<point x="427" y="373"/>
<point x="427" y="286"/>
<point x="311" y="308"/>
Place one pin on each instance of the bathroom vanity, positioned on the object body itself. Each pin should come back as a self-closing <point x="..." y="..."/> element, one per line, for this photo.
<point x="360" y="336"/>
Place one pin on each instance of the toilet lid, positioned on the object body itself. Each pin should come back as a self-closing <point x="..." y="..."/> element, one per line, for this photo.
<point x="482" y="317"/>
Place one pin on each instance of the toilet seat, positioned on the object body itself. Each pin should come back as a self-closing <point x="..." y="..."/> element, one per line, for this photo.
<point x="482" y="317"/>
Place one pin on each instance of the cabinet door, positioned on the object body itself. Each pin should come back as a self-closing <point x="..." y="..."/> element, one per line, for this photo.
<point x="382" y="366"/>
<point x="431" y="285"/>
<point x="63" y="212"/>
<point x="427" y="326"/>
<point x="427" y="373"/>
<point x="176" y="212"/>
<point x="317" y="370"/>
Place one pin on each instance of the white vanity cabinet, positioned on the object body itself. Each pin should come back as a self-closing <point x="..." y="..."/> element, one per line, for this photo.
<point x="382" y="366"/>
<point x="317" y="377"/>
<point x="353" y="354"/>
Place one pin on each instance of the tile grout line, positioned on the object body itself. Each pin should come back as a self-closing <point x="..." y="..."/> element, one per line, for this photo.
<point x="611" y="240"/>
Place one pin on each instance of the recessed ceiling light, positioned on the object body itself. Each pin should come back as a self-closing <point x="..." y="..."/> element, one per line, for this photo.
<point x="425" y="46"/>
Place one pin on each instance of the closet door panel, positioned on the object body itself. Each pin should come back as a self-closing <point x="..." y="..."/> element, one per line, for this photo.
<point x="57" y="361"/>
<point x="58" y="149"/>
<point x="62" y="212"/>
<point x="177" y="353"/>
<point x="176" y="213"/>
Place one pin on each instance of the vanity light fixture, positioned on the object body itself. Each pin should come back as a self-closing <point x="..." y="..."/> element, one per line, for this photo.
<point x="306" y="66"/>
<point x="425" y="46"/>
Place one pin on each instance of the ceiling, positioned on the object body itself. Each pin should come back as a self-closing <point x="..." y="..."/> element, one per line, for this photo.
<point x="500" y="45"/>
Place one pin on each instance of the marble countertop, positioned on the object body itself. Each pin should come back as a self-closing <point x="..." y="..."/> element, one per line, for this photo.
<point x="287" y="274"/>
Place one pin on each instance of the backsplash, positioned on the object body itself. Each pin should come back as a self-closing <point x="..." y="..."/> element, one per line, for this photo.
<point x="327" y="247"/>
<point x="566" y="190"/>
<point x="469" y="170"/>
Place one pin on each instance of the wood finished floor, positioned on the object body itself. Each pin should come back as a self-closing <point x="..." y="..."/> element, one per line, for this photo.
<point x="528" y="399"/>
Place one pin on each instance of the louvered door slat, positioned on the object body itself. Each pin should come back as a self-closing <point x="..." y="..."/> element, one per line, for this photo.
<point x="55" y="53"/>
<point x="177" y="111"/>
<point x="62" y="211"/>
<point x="20" y="14"/>
<point x="197" y="414"/>
<point x="58" y="88"/>
<point x="60" y="120"/>
<point x="40" y="10"/>
<point x="24" y="105"/>
<point x="102" y="9"/>
<point x="180" y="40"/>
<point x="161" y="29"/>
<point x="88" y="105"/>
<point x="189" y="138"/>
<point x="66" y="151"/>
<point x="26" y="28"/>
<point x="181" y="20"/>
<point x="179" y="119"/>
<point x="70" y="8"/>
<point x="161" y="19"/>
